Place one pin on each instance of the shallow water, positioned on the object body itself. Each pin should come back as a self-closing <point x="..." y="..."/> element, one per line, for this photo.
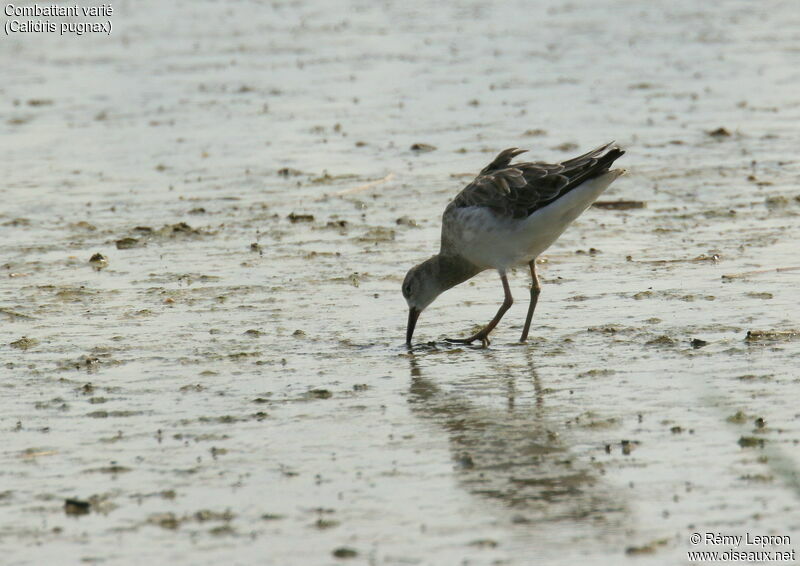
<point x="236" y="389"/>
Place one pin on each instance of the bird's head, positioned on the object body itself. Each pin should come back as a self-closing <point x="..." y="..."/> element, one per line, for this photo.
<point x="420" y="288"/>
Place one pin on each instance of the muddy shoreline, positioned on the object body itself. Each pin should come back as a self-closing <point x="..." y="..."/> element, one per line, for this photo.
<point x="207" y="217"/>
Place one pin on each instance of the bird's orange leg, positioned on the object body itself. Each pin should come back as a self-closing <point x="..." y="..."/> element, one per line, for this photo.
<point x="483" y="335"/>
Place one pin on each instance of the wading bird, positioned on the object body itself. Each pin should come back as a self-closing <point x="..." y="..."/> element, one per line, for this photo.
<point x="507" y="216"/>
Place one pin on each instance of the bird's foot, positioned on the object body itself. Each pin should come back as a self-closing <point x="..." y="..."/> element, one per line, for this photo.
<point x="482" y="336"/>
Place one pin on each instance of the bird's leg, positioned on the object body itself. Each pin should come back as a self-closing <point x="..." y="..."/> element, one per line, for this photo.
<point x="536" y="288"/>
<point x="483" y="335"/>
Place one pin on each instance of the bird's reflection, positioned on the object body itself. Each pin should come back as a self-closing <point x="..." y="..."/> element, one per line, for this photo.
<point x="513" y="454"/>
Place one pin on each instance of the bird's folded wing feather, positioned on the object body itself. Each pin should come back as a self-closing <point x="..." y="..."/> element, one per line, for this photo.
<point x="520" y="189"/>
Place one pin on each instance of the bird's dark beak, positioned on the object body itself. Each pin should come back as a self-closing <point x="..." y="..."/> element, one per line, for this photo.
<point x="413" y="315"/>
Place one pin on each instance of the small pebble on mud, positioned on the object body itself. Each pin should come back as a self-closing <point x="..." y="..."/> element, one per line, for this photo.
<point x="406" y="221"/>
<point x="719" y="133"/>
<point x="127" y="243"/>
<point x="422" y="147"/>
<point x="345" y="552"/>
<point x="98" y="261"/>
<point x="627" y="446"/>
<point x="698" y="343"/>
<point x="76" y="507"/>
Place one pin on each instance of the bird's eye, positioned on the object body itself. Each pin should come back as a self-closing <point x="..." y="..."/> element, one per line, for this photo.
<point x="407" y="290"/>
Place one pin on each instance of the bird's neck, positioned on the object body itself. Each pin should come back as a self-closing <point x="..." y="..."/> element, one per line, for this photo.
<point x="452" y="270"/>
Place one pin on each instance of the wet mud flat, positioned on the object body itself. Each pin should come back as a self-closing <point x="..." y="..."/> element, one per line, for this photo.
<point x="202" y="250"/>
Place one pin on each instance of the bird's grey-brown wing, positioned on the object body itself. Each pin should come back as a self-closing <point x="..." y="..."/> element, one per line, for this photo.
<point x="521" y="189"/>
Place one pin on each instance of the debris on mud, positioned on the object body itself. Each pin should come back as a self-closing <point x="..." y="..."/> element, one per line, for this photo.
<point x="648" y="548"/>
<point x="566" y="146"/>
<point x="772" y="335"/>
<point x="164" y="520"/>
<point x="619" y="204"/>
<point x="752" y="442"/>
<point x="14" y="315"/>
<point x="662" y="340"/>
<point x="327" y="179"/>
<point x="294" y="217"/>
<point x="323" y="524"/>
<point x="39" y="102"/>
<point x="483" y="543"/>
<point x="759" y="295"/>
<point x="732" y="276"/>
<point x="378" y="234"/>
<point x="738" y="418"/>
<point x="422" y="147"/>
<point x="112" y="469"/>
<point x="83" y="225"/>
<point x="319" y="394"/>
<point x="337" y="225"/>
<point x="24" y="343"/>
<point x="181" y="228"/>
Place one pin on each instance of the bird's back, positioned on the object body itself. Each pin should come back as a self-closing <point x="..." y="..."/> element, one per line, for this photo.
<point x="511" y="213"/>
<point x="520" y="189"/>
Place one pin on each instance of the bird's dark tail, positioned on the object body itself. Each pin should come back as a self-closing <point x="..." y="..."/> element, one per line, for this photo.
<point x="590" y="165"/>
